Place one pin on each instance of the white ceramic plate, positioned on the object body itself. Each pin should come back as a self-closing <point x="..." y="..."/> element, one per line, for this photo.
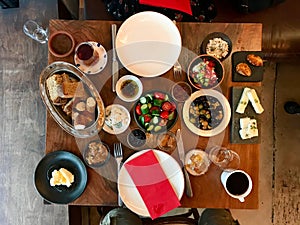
<point x="99" y="66"/>
<point x="117" y="119"/>
<point x="148" y="44"/>
<point x="119" y="85"/>
<point x="129" y="193"/>
<point x="226" y="113"/>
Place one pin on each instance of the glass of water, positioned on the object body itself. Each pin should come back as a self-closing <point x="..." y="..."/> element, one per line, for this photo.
<point x="35" y="31"/>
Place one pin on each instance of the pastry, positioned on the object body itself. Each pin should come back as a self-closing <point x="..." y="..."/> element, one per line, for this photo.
<point x="255" y="60"/>
<point x="243" y="69"/>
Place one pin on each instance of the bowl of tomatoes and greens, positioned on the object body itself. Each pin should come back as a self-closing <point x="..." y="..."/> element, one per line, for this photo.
<point x="155" y="112"/>
<point x="205" y="72"/>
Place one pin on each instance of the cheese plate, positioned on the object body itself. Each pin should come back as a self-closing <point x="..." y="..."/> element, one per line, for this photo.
<point x="249" y="112"/>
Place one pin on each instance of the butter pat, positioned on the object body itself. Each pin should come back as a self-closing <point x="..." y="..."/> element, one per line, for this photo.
<point x="252" y="95"/>
<point x="243" y="101"/>
<point x="61" y="177"/>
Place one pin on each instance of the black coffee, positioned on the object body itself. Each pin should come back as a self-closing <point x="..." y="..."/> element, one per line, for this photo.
<point x="237" y="183"/>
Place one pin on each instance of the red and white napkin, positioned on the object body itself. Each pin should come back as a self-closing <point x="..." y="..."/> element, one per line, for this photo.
<point x="152" y="184"/>
<point x="180" y="5"/>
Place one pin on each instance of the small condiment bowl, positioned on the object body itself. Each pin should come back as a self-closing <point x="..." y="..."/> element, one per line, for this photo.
<point x="136" y="139"/>
<point x="196" y="162"/>
<point x="181" y="91"/>
<point x="205" y="72"/>
<point x="129" y="88"/>
<point x="95" y="159"/>
<point x="61" y="44"/>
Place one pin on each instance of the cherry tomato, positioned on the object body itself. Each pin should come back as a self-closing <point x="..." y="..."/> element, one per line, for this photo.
<point x="147" y="118"/>
<point x="159" y="95"/>
<point x="154" y="109"/>
<point x="164" y="114"/>
<point x="166" y="106"/>
<point x="138" y="109"/>
<point x="211" y="64"/>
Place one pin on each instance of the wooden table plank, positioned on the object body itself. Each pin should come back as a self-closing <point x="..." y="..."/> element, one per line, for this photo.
<point x="208" y="190"/>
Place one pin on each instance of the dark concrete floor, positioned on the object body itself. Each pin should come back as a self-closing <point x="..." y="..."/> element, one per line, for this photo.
<point x="22" y="113"/>
<point x="22" y="131"/>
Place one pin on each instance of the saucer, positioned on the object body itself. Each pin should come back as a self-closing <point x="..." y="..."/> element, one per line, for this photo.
<point x="94" y="68"/>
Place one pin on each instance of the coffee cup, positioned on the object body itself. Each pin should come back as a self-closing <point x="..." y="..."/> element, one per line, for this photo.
<point x="237" y="183"/>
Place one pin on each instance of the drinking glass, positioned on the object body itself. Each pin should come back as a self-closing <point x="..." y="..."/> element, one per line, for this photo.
<point x="35" y="31"/>
<point x="224" y="158"/>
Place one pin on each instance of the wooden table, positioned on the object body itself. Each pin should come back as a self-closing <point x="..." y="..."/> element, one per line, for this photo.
<point x="208" y="190"/>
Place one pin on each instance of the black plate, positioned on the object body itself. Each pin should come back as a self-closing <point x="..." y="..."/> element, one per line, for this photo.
<point x="257" y="71"/>
<point x="210" y="36"/>
<point x="60" y="194"/>
<point x="249" y="112"/>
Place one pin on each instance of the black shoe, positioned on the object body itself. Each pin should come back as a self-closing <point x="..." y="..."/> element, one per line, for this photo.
<point x="292" y="107"/>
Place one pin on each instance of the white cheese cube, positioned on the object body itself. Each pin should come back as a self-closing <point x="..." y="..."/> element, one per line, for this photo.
<point x="252" y="128"/>
<point x="243" y="101"/>
<point x="248" y="128"/>
<point x="243" y="133"/>
<point x="244" y="122"/>
<point x="252" y="95"/>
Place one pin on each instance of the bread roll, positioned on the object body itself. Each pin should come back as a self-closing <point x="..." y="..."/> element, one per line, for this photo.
<point x="243" y="69"/>
<point x="255" y="60"/>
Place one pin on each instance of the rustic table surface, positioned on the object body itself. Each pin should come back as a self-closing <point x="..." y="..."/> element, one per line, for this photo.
<point x="208" y="190"/>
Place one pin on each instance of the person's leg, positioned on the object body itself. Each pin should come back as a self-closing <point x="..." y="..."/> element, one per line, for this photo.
<point x="217" y="217"/>
<point x="292" y="107"/>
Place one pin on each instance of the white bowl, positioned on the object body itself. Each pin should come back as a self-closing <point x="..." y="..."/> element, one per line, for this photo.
<point x="120" y="83"/>
<point x="117" y="119"/>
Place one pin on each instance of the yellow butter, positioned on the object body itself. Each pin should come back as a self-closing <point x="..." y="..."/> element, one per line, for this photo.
<point x="62" y="177"/>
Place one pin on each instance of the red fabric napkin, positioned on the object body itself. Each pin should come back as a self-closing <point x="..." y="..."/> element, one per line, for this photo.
<point x="180" y="5"/>
<point x="152" y="184"/>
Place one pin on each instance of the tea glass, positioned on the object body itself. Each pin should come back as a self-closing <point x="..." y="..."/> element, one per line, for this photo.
<point x="224" y="158"/>
<point x="35" y="31"/>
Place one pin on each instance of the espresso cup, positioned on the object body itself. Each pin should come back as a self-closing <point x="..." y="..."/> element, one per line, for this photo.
<point x="237" y="183"/>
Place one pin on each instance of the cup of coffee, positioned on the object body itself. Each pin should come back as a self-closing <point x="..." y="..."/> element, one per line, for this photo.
<point x="237" y="183"/>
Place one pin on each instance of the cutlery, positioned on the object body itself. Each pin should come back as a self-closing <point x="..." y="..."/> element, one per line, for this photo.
<point x="118" y="154"/>
<point x="177" y="69"/>
<point x="188" y="186"/>
<point x="115" y="64"/>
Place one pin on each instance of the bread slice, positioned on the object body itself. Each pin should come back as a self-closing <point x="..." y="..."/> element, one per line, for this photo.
<point x="55" y="90"/>
<point x="69" y="89"/>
